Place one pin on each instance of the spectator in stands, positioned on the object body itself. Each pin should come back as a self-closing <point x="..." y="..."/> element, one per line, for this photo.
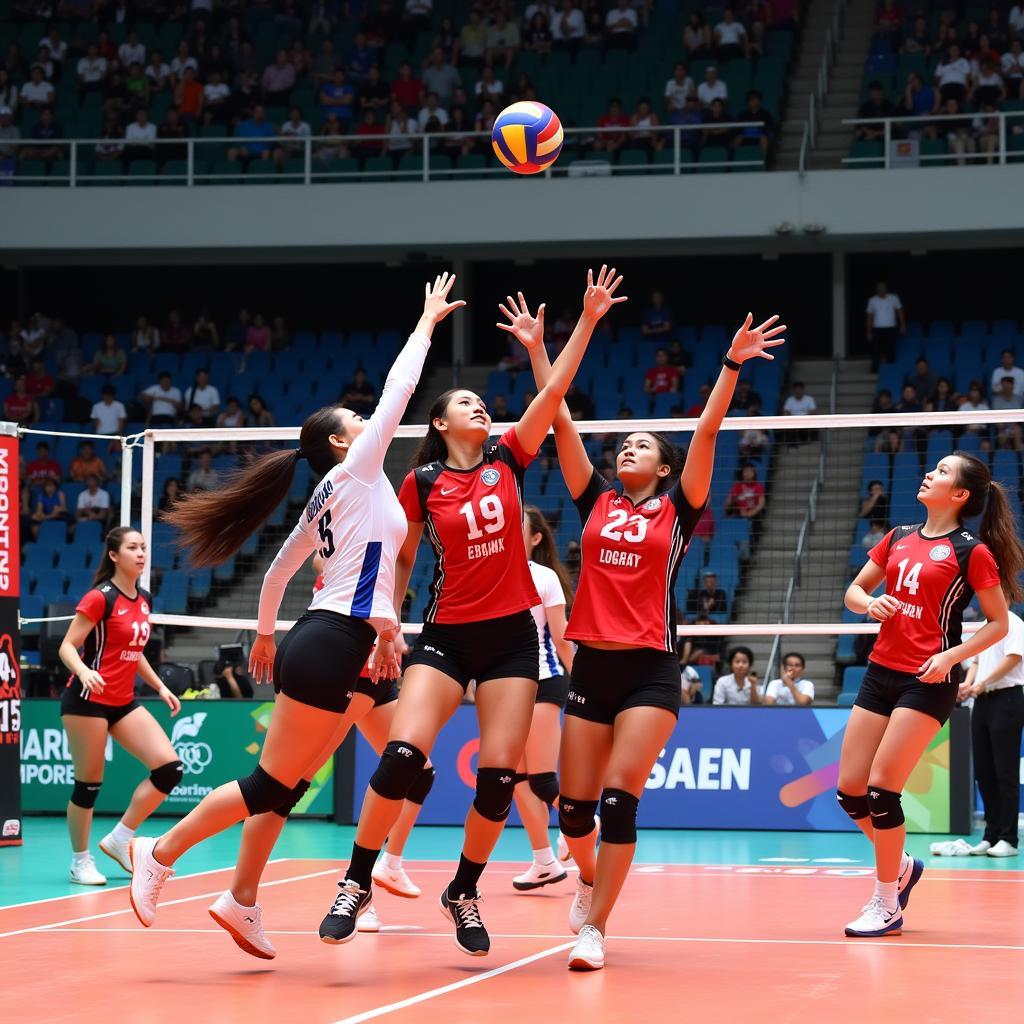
<point x="139" y="137"/>
<point x="375" y="93"/>
<point x="204" y="331"/>
<point x="621" y="25"/>
<point x="697" y="36"/>
<point x="700" y="649"/>
<point x="87" y="463"/>
<point x="705" y="528"/>
<point x="45" y="136"/>
<point x="740" y="685"/>
<point x="399" y="125"/>
<point x="876" y="504"/>
<point x="755" y="111"/>
<point x="882" y="404"/>
<point x="36" y="92"/>
<point x="43" y="466"/>
<point x="278" y="80"/>
<point x="522" y="88"/>
<point x="257" y="337"/>
<point x="876" y="105"/>
<point x="698" y="407"/>
<point x="754" y="440"/>
<point x="645" y="118"/>
<point x="259" y="414"/>
<point x="259" y="135"/>
<point x="745" y="397"/>
<point x="799" y="403"/>
<point x="406" y="88"/>
<point x="188" y="96"/>
<point x="92" y="70"/>
<point x="57" y="48"/>
<point x="324" y="63"/>
<point x="581" y="405"/>
<point x="500" y="410"/>
<point x="916" y="39"/>
<point x="975" y="401"/>
<point x="145" y="337"/>
<point x="232" y="417"/>
<point x="441" y="78"/>
<point x="10" y="134"/>
<point x="875" y="534"/>
<point x="293" y="133"/>
<point x="20" y="407"/>
<point x="888" y="20"/>
<point x="108" y="415"/>
<point x="943" y="398"/>
<point x="503" y="40"/>
<point x="163" y="402"/>
<point x="38" y="382"/>
<point x="885" y="319"/>
<point x="1008" y="368"/>
<point x="175" y="133"/>
<point x="432" y="111"/>
<point x="572" y="561"/>
<point x="709" y="598"/>
<point x="952" y="74"/>
<point x="110" y="360"/>
<point x="158" y="73"/>
<point x="488" y="86"/>
<point x="692" y="691"/>
<point x="447" y="39"/>
<point x="1008" y="435"/>
<point x="204" y="477"/>
<point x="657" y="317"/>
<point x="919" y="100"/>
<point x="791" y="689"/>
<point x="730" y="37"/>
<point x="359" y="394"/>
<point x="1016" y="19"/>
<point x="50" y="504"/>
<point x="712" y="88"/>
<point x="890" y="441"/>
<point x="131" y="51"/>
<point x="663" y="376"/>
<point x="181" y="60"/>
<point x="611" y="142"/>
<point x="678" y="89"/>
<point x="8" y="91"/>
<point x="93" y="503"/>
<point x="33" y="337"/>
<point x="922" y="380"/>
<point x="987" y="85"/>
<point x="1012" y="64"/>
<point x="985" y="129"/>
<point x="746" y="498"/>
<point x="204" y="395"/>
<point x="177" y="334"/>
<point x="172" y="488"/>
<point x="568" y="27"/>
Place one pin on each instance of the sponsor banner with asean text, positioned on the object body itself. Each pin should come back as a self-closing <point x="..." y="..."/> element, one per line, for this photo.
<point x="10" y="647"/>
<point x="723" y="768"/>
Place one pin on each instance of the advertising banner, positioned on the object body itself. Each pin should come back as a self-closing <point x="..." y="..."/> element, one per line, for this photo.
<point x="10" y="647"/>
<point x="723" y="768"/>
<point x="217" y="741"/>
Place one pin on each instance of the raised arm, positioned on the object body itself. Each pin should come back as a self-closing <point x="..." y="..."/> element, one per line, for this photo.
<point x="597" y="300"/>
<point x="366" y="456"/>
<point x="748" y="343"/>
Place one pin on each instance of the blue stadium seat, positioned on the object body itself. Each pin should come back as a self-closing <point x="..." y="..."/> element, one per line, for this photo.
<point x="74" y="556"/>
<point x="53" y="534"/>
<point x="845" y="700"/>
<point x="89" y="533"/>
<point x="853" y="676"/>
<point x="38" y="556"/>
<point x="200" y="583"/>
<point x="49" y="584"/>
<point x="171" y="597"/>
<point x="225" y="572"/>
<point x="79" y="582"/>
<point x="31" y="607"/>
<point x="1006" y="469"/>
<point x="940" y="444"/>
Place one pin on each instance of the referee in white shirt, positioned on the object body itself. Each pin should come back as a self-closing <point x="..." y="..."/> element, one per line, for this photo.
<point x="996" y="681"/>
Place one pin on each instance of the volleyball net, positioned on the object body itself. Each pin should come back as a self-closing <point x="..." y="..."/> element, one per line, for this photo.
<point x="795" y="504"/>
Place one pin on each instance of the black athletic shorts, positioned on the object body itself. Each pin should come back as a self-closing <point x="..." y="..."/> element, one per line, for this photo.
<point x="553" y="690"/>
<point x="384" y="692"/>
<point x="884" y="689"/>
<point x="73" y="702"/>
<point x="604" y="683"/>
<point x="320" y="659"/>
<point x="504" y="648"/>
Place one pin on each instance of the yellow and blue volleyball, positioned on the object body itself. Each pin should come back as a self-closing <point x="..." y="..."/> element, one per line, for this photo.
<point x="527" y="137"/>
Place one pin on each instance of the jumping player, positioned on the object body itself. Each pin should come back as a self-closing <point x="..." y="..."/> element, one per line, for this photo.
<point x="931" y="571"/>
<point x="355" y="522"/>
<point x="537" y="781"/>
<point x="111" y="625"/>
<point x="625" y="688"/>
<point x="478" y="625"/>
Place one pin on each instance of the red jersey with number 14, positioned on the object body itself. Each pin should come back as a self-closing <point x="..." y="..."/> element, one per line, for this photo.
<point x="934" y="579"/>
<point x="114" y="647"/>
<point x="630" y="557"/>
<point x="474" y="520"/>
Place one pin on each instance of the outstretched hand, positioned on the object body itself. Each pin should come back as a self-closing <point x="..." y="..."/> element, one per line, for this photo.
<point x="600" y="296"/>
<point x="436" y="305"/>
<point x="528" y="330"/>
<point x="751" y="342"/>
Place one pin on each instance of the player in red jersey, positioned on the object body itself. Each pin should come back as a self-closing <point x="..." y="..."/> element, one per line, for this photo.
<point x="111" y="625"/>
<point x="478" y="626"/>
<point x="625" y="688"/>
<point x="931" y="571"/>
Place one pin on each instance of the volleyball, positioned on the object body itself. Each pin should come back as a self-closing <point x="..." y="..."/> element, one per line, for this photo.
<point x="527" y="137"/>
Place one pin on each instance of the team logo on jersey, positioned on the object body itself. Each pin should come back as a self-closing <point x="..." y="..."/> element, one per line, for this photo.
<point x="651" y="505"/>
<point x="490" y="476"/>
<point x="940" y="552"/>
<point x="105" y="590"/>
<point x="145" y="608"/>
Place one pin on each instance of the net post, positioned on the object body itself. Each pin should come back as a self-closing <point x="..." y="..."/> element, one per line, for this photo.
<point x="146" y="524"/>
<point x="126" y="483"/>
<point x="10" y="640"/>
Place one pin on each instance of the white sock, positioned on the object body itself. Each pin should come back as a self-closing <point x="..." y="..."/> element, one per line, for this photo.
<point x="78" y="858"/>
<point x="544" y="856"/>
<point x="887" y="892"/>
<point x="393" y="862"/>
<point x="121" y="833"/>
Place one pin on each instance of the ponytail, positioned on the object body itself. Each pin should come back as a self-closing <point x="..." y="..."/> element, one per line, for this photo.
<point x="546" y="553"/>
<point x="215" y="524"/>
<point x="111" y="545"/>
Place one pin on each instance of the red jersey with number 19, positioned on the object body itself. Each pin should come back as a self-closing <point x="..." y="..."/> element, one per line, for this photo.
<point x="474" y="519"/>
<point x="630" y="559"/>
<point x="115" y="645"/>
<point x="934" y="579"/>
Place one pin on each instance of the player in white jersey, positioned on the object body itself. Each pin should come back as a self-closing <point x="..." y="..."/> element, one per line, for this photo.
<point x="537" y="781"/>
<point x="355" y="522"/>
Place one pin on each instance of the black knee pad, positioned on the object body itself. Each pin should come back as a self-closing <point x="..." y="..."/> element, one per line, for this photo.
<point x="421" y="787"/>
<point x="544" y="786"/>
<point x="399" y="766"/>
<point x="575" y="817"/>
<point x="84" y="794"/>
<point x="618" y="816"/>
<point x="855" y="806"/>
<point x="262" y="792"/>
<point x="167" y="776"/>
<point x="494" y="789"/>
<point x="886" y="808"/>
<point x="294" y="797"/>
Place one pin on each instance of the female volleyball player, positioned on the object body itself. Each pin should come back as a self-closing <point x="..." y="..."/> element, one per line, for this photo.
<point x="931" y="571"/>
<point x="354" y="520"/>
<point x="477" y="626"/>
<point x="111" y="623"/>
<point x="537" y="781"/>
<point x="371" y="709"/>
<point x="625" y="688"/>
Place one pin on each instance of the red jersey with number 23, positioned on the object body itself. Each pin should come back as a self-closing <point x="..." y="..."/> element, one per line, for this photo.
<point x="934" y="579"/>
<point x="115" y="645"/>
<point x="474" y="520"/>
<point x="630" y="559"/>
